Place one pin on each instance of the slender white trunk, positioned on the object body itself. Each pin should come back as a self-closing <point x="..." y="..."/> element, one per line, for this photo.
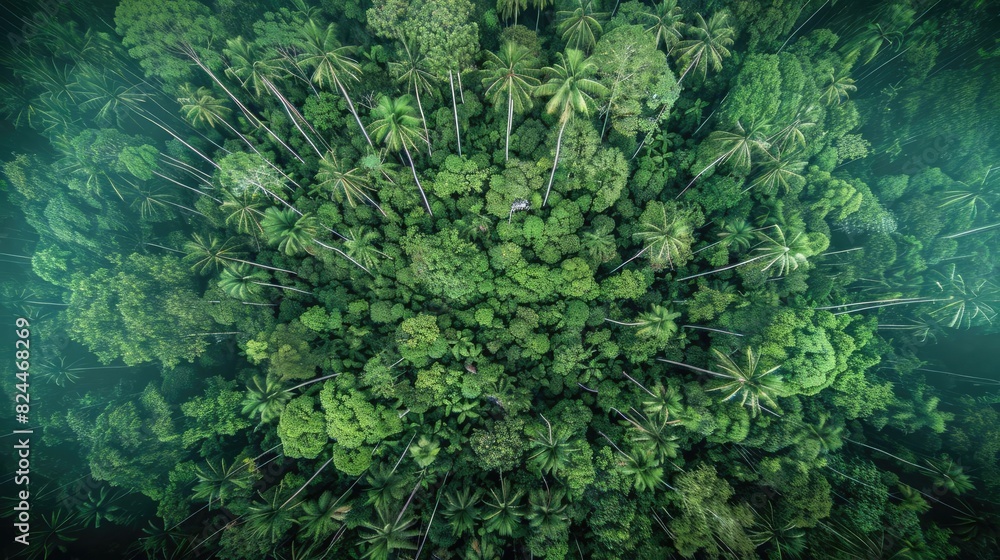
<point x="604" y="127"/>
<point x="510" y="121"/>
<point x="722" y="157"/>
<point x="454" y="106"/>
<point x="254" y="120"/>
<point x="303" y="487"/>
<point x="555" y="162"/>
<point x="350" y="106"/>
<point x="702" y="370"/>
<point x="283" y="287"/>
<point x="420" y="106"/>
<point x="184" y="207"/>
<point x="646" y="136"/>
<point x="461" y="90"/>
<point x="892" y="300"/>
<point x="623" y="324"/>
<point x="286" y="106"/>
<point x="343" y="254"/>
<point x="637" y="255"/>
<point x="970" y="231"/>
<point x="162" y="176"/>
<point x="419" y="186"/>
<point x="253" y="264"/>
<point x="688" y="69"/>
<point x="710" y="329"/>
<point x="855" y="310"/>
<point x="179" y="139"/>
<point x="720" y="269"/>
<point x="311" y="381"/>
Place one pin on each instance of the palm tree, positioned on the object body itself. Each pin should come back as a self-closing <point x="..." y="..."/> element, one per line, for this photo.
<point x="289" y="231"/>
<point x="870" y="40"/>
<point x="570" y="88"/>
<point x="778" y="172"/>
<point x="100" y="507"/>
<point x="390" y="533"/>
<point x="247" y="66"/>
<point x="792" y="136"/>
<point x="265" y="398"/>
<point x="738" y="233"/>
<point x="547" y="512"/>
<point x="18" y="103"/>
<point x="164" y="538"/>
<point x="706" y="46"/>
<point x="412" y="71"/>
<point x="200" y="107"/>
<point x="667" y="239"/>
<point x="826" y="434"/>
<point x="153" y="204"/>
<point x="665" y="23"/>
<point x="738" y="146"/>
<point x="56" y="117"/>
<point x="508" y="8"/>
<point x="53" y="533"/>
<point x="360" y="246"/>
<point x="968" y="303"/>
<point x="330" y="62"/>
<point x="656" y="323"/>
<point x="55" y="78"/>
<point x="581" y="27"/>
<point x="652" y="433"/>
<point x="946" y="474"/>
<point x="385" y="486"/>
<point x="58" y="372"/>
<point x="838" y="88"/>
<point x="109" y="98"/>
<point x="209" y="254"/>
<point x="395" y="126"/>
<point x="509" y="75"/>
<point x="788" y="253"/>
<point x="269" y="520"/>
<point x="504" y="512"/>
<point x="540" y="5"/>
<point x="243" y="210"/>
<point x="785" y="536"/>
<point x="461" y="509"/>
<point x="550" y="450"/>
<point x="971" y="201"/>
<point x="220" y="482"/>
<point x="911" y="500"/>
<point x="752" y="385"/>
<point x="342" y="181"/>
<point x="645" y="467"/>
<point x="599" y="244"/>
<point x="321" y="517"/>
<point x="662" y="400"/>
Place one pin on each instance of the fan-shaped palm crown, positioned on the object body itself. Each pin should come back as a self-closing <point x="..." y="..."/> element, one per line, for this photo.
<point x="291" y="232"/>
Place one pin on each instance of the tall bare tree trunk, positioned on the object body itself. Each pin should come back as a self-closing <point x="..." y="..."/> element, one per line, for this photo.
<point x="350" y="106"/>
<point x="421" y="188"/>
<point x="454" y="106"/>
<point x="555" y="162"/>
<point x="427" y="134"/>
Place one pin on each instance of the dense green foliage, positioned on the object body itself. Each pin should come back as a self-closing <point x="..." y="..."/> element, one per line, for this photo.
<point x="450" y="279"/>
